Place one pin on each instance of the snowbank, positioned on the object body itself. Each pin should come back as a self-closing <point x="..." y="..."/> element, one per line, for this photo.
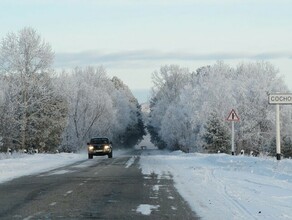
<point x="26" y="164"/>
<point x="17" y="164"/>
<point x="221" y="186"/>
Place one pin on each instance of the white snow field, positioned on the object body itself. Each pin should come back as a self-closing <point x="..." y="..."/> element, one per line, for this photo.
<point x="221" y="186"/>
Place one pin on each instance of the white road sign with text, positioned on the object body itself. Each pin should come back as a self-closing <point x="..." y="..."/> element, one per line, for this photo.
<point x="280" y="98"/>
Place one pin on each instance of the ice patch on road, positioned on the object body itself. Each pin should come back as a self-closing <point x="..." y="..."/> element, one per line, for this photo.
<point x="130" y="162"/>
<point x="59" y="172"/>
<point x="68" y="192"/>
<point x="146" y="209"/>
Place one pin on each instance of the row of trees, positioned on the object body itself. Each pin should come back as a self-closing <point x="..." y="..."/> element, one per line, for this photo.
<point x="189" y="109"/>
<point x="48" y="111"/>
<point x="98" y="106"/>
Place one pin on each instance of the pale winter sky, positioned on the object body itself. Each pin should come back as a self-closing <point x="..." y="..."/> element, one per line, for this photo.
<point x="133" y="38"/>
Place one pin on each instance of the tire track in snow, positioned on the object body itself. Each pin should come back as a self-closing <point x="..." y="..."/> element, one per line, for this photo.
<point x="231" y="198"/>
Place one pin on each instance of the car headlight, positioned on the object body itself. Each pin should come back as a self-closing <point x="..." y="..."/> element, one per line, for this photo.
<point x="90" y="148"/>
<point x="106" y="147"/>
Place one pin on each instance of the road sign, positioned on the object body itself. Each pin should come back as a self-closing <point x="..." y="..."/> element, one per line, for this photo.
<point x="280" y="98"/>
<point x="232" y="116"/>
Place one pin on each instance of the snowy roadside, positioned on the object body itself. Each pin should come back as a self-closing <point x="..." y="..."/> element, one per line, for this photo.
<point x="17" y="165"/>
<point x="227" y="187"/>
<point x="26" y="164"/>
<point x="216" y="186"/>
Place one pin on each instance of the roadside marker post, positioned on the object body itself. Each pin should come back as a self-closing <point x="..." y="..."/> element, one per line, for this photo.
<point x="232" y="117"/>
<point x="279" y="99"/>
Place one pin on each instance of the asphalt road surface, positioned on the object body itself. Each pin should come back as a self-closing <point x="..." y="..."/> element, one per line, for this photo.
<point x="100" y="188"/>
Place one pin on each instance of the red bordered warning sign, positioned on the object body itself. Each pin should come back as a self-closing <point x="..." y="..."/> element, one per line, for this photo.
<point x="232" y="116"/>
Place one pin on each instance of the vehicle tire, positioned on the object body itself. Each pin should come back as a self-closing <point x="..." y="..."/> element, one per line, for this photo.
<point x="90" y="156"/>
<point x="110" y="155"/>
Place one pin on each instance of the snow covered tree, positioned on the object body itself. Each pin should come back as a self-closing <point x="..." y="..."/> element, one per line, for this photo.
<point x="183" y="116"/>
<point x="253" y="83"/>
<point x="180" y="110"/>
<point x="98" y="106"/>
<point x="134" y="127"/>
<point x="177" y="129"/>
<point x="8" y="114"/>
<point x="286" y="147"/>
<point x="89" y="106"/>
<point x="168" y="83"/>
<point x="217" y="135"/>
<point x="30" y="102"/>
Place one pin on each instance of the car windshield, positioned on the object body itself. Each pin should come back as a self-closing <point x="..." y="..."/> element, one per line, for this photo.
<point x="99" y="141"/>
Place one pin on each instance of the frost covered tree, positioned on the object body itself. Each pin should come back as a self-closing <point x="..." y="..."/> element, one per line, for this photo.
<point x="89" y="106"/>
<point x="253" y="83"/>
<point x="168" y="83"/>
<point x="180" y="111"/>
<point x="98" y="106"/>
<point x="217" y="135"/>
<point x="41" y="110"/>
<point x="177" y="128"/>
<point x="29" y="103"/>
<point x="286" y="147"/>
<point x="128" y="109"/>
<point x="182" y="117"/>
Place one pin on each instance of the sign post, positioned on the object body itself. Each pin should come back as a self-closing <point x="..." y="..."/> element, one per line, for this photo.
<point x="278" y="136"/>
<point x="232" y="139"/>
<point x="232" y="117"/>
<point x="279" y="99"/>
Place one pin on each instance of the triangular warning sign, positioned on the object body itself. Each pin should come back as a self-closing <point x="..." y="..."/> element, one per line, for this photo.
<point x="232" y="116"/>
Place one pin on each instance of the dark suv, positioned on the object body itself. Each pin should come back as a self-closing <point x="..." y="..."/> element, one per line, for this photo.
<point x="100" y="146"/>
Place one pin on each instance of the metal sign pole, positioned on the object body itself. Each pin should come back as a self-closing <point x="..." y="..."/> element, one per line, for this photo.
<point x="232" y="117"/>
<point x="232" y="139"/>
<point x="279" y="99"/>
<point x="278" y="137"/>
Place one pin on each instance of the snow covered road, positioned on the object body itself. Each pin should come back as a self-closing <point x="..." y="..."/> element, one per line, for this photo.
<point x="227" y="187"/>
<point x="216" y="186"/>
<point x="101" y="188"/>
